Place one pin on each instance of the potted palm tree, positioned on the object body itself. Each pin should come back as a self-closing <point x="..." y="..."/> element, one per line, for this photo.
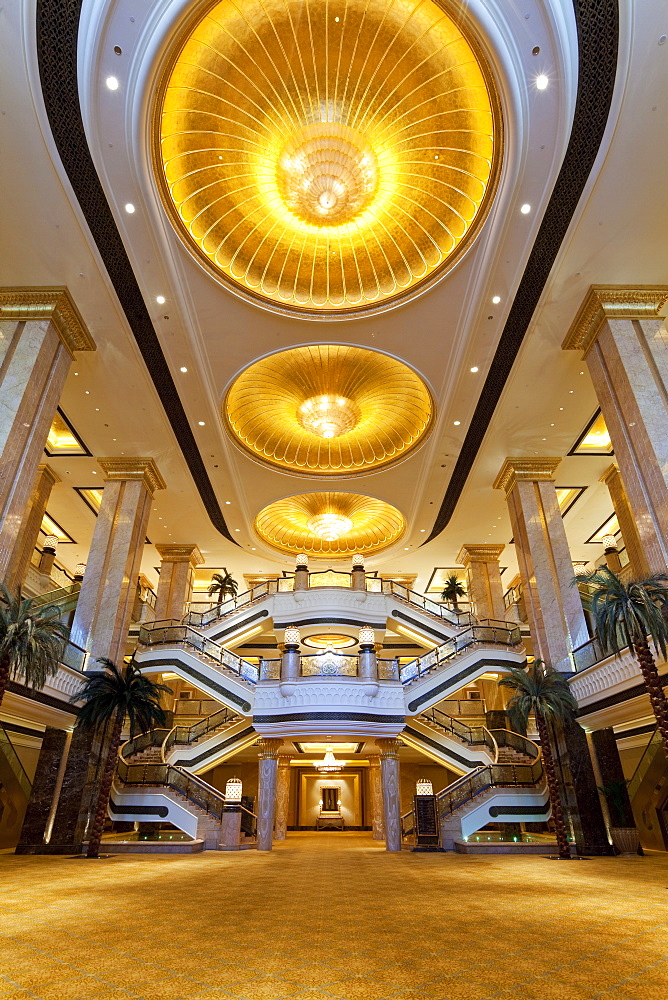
<point x="110" y="696"/>
<point x="452" y="591"/>
<point x="629" y="615"/>
<point x="223" y="585"/>
<point x="32" y="641"/>
<point x="542" y="692"/>
<point x="624" y="835"/>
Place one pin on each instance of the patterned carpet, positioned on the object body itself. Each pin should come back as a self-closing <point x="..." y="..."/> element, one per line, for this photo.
<point x="333" y="916"/>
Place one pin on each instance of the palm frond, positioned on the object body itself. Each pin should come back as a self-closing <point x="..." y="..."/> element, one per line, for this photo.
<point x="32" y="639"/>
<point x="113" y="693"/>
<point x="539" y="690"/>
<point x="223" y="585"/>
<point x="625" y="614"/>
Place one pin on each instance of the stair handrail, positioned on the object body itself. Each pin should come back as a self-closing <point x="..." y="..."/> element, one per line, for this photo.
<point x="405" y="593"/>
<point x="185" y="735"/>
<point x="52" y="597"/>
<point x="509" y="738"/>
<point x="643" y="765"/>
<point x="172" y="776"/>
<point x="488" y="631"/>
<point x="484" y="777"/>
<point x="157" y="634"/>
<point x="473" y="735"/>
<point x="224" y="608"/>
<point x="407" y="831"/>
<point x="14" y="762"/>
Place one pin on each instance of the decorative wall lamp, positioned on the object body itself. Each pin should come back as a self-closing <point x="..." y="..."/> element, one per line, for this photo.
<point x="48" y="554"/>
<point x="233" y="790"/>
<point x="612" y="560"/>
<point x="292" y="638"/>
<point x="79" y="571"/>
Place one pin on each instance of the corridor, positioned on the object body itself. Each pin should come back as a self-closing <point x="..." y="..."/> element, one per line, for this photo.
<point x="332" y="916"/>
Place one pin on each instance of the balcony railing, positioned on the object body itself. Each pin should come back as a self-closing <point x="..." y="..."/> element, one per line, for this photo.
<point x="491" y="776"/>
<point x="160" y="634"/>
<point x="497" y="633"/>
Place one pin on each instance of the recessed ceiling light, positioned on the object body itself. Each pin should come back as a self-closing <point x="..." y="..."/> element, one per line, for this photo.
<point x="457" y="423"/>
<point x="97" y="409"/>
<point x="542" y="82"/>
<point x="496" y="299"/>
<point x="76" y="373"/>
<point x="252" y="549"/>
<point x="406" y="548"/>
<point x="571" y="390"/>
<point x="237" y="529"/>
<point x="183" y="368"/>
<point x="93" y="473"/>
<point x="228" y="501"/>
<point x="129" y="208"/>
<point x="561" y="407"/>
<point x="423" y="530"/>
<point x="160" y="299"/>
<point x="474" y="369"/>
<point x="201" y="423"/>
<point x="87" y="392"/>
<point x="525" y="209"/>
<point x="112" y="83"/>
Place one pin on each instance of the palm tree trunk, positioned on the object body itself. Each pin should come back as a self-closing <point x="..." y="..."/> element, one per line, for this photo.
<point x="654" y="687"/>
<point x="4" y="676"/>
<point x="105" y="790"/>
<point x="553" y="787"/>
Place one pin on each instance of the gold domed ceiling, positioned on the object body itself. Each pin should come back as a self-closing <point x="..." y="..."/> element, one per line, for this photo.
<point x="327" y="156"/>
<point x="329" y="525"/>
<point x="328" y="409"/>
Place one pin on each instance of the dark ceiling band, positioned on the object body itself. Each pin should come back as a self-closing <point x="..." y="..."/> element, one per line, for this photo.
<point x="598" y="34"/>
<point x="57" y="34"/>
<point x="598" y="28"/>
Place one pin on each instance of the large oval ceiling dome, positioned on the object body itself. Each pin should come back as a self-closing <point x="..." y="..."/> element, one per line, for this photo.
<point x="326" y="156"/>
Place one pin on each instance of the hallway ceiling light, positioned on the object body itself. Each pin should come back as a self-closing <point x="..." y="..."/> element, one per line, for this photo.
<point x="496" y="299"/>
<point x="542" y="82"/>
<point x="329" y="763"/>
<point x="346" y="523"/>
<point x="112" y="83"/>
<point x="129" y="208"/>
<point x="160" y="299"/>
<point x="328" y="409"/>
<point x="295" y="153"/>
<point x="525" y="209"/>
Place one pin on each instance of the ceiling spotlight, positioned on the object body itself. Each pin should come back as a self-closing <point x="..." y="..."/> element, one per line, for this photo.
<point x="183" y="368"/>
<point x="474" y="369"/>
<point x="112" y="83"/>
<point x="496" y="299"/>
<point x="129" y="208"/>
<point x="160" y="299"/>
<point x="228" y="501"/>
<point x="457" y="423"/>
<point x="201" y="423"/>
<point x="525" y="209"/>
<point x="542" y="82"/>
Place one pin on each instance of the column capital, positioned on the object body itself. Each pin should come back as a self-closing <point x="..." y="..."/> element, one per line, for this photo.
<point x="531" y="470"/>
<point x="54" y="304"/>
<point x="269" y="748"/>
<point x="47" y="472"/>
<point x="284" y="760"/>
<point x="180" y="553"/>
<point x="479" y="553"/>
<point x="143" y="469"/>
<point x="612" y="472"/>
<point x="612" y="302"/>
<point x="390" y="749"/>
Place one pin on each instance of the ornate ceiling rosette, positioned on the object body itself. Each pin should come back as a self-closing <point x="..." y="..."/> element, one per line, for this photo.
<point x="329" y="525"/>
<point x="328" y="409"/>
<point x="327" y="156"/>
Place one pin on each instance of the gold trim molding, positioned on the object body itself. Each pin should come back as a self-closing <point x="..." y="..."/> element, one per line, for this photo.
<point x="479" y="554"/>
<point x="54" y="304"/>
<point x="143" y="469"/>
<point x="525" y="470"/>
<point x="180" y="553"/>
<point x="612" y="302"/>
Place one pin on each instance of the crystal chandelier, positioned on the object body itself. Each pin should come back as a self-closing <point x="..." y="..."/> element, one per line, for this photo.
<point x="329" y="526"/>
<point x="329" y="763"/>
<point x="328" y="416"/>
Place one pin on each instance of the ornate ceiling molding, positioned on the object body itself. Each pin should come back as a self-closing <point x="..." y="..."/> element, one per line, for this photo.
<point x="54" y="304"/>
<point x="612" y="302"/>
<point x="125" y="469"/>
<point x="527" y="470"/>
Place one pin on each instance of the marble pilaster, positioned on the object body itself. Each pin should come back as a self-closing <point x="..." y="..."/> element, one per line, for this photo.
<point x="282" y="798"/>
<point x="40" y="329"/>
<point x="481" y="563"/>
<point x="26" y="540"/>
<point x="44" y="788"/>
<point x="376" y="798"/>
<point x="389" y="769"/>
<point x="610" y="769"/>
<point x="625" y="347"/>
<point x="177" y="568"/>
<point x="553" y="605"/>
<point x="266" y="792"/>
<point x="104" y="608"/>
<point x="627" y="525"/>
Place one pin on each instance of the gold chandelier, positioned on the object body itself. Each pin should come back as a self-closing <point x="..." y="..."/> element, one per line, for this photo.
<point x="329" y="525"/>
<point x="328" y="409"/>
<point x="327" y="157"/>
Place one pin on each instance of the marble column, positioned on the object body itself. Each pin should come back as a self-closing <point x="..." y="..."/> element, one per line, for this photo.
<point x="104" y="608"/>
<point x="625" y="347"/>
<point x="553" y="605"/>
<point x="481" y="563"/>
<point x="230" y="828"/>
<point x="282" y="798"/>
<point x="610" y="769"/>
<point x="266" y="792"/>
<point x="627" y="525"/>
<point x="40" y="329"/>
<point x="376" y="798"/>
<point x="27" y="537"/>
<point x="177" y="568"/>
<point x="44" y="788"/>
<point x="389" y="769"/>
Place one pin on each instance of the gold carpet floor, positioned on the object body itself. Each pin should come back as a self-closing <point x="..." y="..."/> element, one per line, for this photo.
<point x="333" y="917"/>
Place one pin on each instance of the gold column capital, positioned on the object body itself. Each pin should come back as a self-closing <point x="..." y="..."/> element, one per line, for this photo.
<point x="143" y="469"/>
<point x="284" y="760"/>
<point x="269" y="748"/>
<point x="55" y="304"/>
<point x="612" y="302"/>
<point x="612" y="472"/>
<point x="389" y="748"/>
<point x="180" y="553"/>
<point x="47" y="472"/>
<point x="531" y="470"/>
<point x="478" y="554"/>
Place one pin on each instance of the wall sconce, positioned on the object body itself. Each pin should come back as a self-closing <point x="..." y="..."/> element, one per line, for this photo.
<point x="580" y="569"/>
<point x="424" y="787"/>
<point x="292" y="637"/>
<point x="233" y="789"/>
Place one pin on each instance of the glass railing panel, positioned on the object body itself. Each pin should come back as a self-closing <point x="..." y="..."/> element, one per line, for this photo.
<point x="654" y="746"/>
<point x="329" y="578"/>
<point x="329" y="663"/>
<point x="13" y="760"/>
<point x="373" y="585"/>
<point x="270" y="670"/>
<point x="286" y="585"/>
<point x="74" y="656"/>
<point x="388" y="670"/>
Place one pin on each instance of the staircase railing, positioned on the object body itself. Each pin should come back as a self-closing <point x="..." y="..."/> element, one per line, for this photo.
<point x="159" y="634"/>
<point x="202" y="619"/>
<point x="12" y="758"/>
<point x="54" y="598"/>
<point x="404" y="593"/>
<point x="489" y="776"/>
<point x="654" y="746"/>
<point x="473" y="735"/>
<point x="488" y="632"/>
<point x="191" y="787"/>
<point x="186" y="735"/>
<point x="407" y="824"/>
